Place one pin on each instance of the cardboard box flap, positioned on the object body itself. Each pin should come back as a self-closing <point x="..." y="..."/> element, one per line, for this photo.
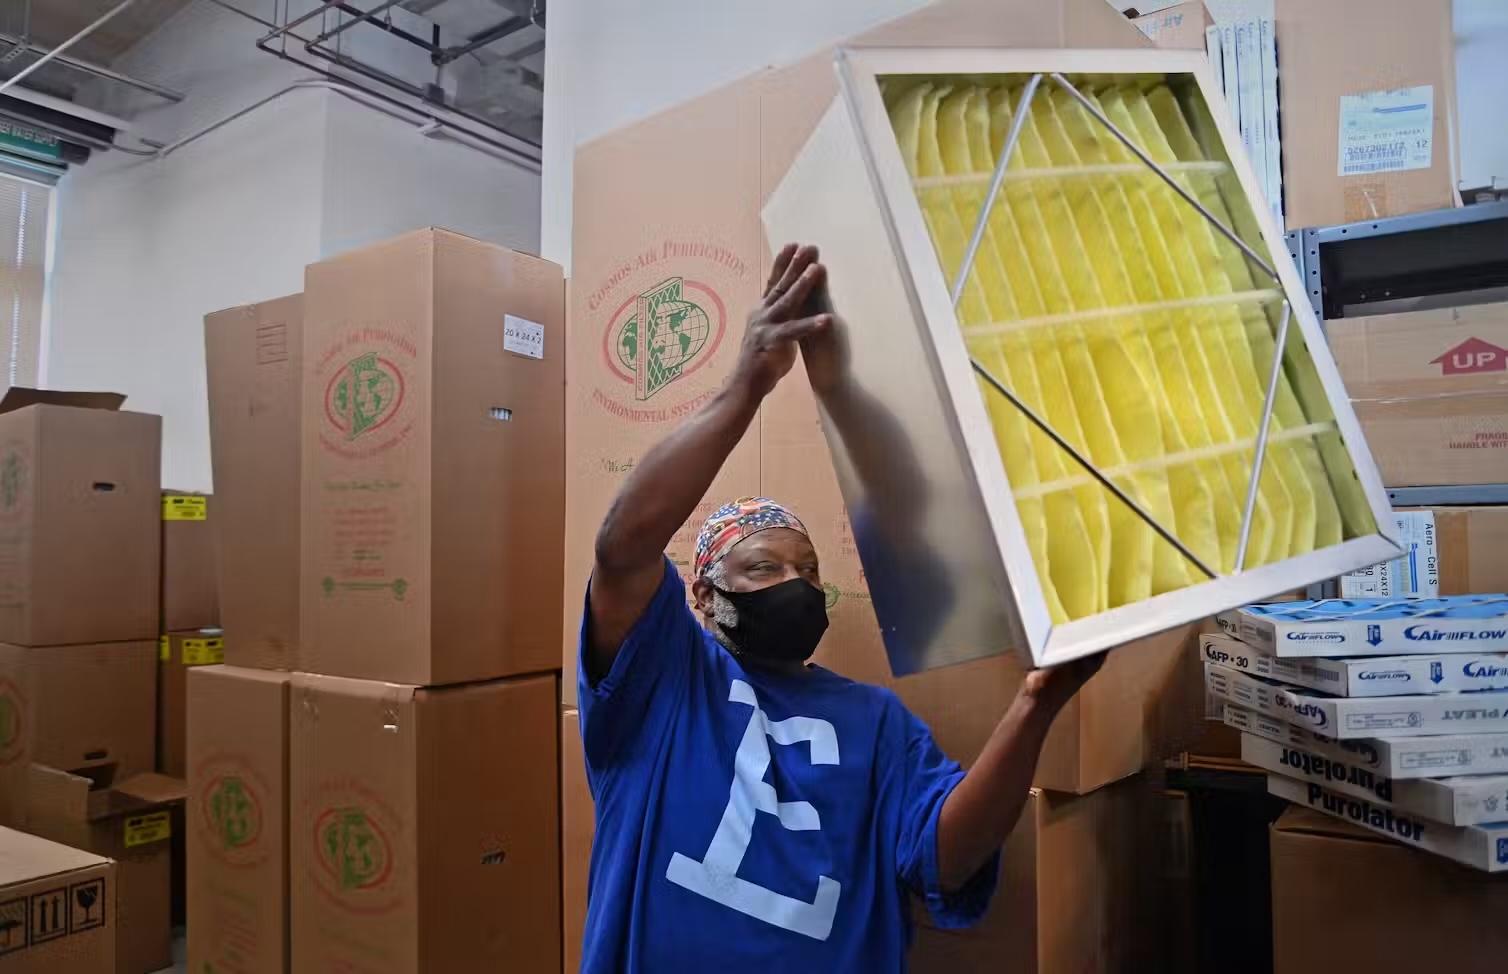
<point x="24" y="857"/>
<point x="57" y="796"/>
<point x="19" y="397"/>
<point x="1306" y="821"/>
<point x="158" y="789"/>
<point x="392" y="693"/>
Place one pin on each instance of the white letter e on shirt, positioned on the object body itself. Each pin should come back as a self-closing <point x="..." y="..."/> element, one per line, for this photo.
<point x="716" y="876"/>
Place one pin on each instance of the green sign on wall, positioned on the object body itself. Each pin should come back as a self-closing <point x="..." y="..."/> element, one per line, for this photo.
<point x="29" y="142"/>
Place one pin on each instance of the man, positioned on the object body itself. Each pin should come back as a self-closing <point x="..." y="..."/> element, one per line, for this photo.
<point x="755" y="812"/>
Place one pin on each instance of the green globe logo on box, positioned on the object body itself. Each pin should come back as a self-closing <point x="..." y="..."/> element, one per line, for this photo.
<point x="352" y="849"/>
<point x="363" y="395"/>
<point x="12" y="722"/>
<point x="235" y="815"/>
<point x="12" y="481"/>
<point x="664" y="333"/>
<point x="658" y="336"/>
<point x="231" y="808"/>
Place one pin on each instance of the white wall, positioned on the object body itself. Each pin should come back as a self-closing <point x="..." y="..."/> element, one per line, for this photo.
<point x="145" y="248"/>
<point x="612" y="62"/>
<point x="382" y="178"/>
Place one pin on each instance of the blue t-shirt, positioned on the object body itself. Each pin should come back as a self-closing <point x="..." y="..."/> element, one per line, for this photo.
<point x="753" y="821"/>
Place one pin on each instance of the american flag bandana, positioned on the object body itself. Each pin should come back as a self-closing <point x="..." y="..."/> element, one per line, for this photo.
<point x="734" y="522"/>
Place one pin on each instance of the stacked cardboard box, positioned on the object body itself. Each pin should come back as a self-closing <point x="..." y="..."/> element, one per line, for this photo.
<point x="392" y="804"/>
<point x="1430" y="390"/>
<point x="693" y="218"/>
<point x="58" y="908"/>
<point x="1378" y="731"/>
<point x="79" y="612"/>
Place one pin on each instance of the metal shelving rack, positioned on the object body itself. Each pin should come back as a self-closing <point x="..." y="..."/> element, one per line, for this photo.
<point x="1441" y="252"/>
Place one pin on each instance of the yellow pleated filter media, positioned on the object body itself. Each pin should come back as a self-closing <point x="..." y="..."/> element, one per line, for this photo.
<point x="1119" y="315"/>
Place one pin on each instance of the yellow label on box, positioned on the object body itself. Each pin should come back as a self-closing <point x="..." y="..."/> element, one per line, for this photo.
<point x="203" y="652"/>
<point x="165" y="649"/>
<point x="183" y="507"/>
<point x="148" y="828"/>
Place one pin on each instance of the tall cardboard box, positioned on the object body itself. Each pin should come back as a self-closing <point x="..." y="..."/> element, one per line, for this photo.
<point x="57" y="908"/>
<point x="1341" y="895"/>
<point x="190" y="595"/>
<point x="254" y="356"/>
<point x="577" y="818"/>
<point x="237" y="820"/>
<point x="131" y="823"/>
<point x="79" y="510"/>
<point x="1431" y="391"/>
<point x="177" y="653"/>
<point x="75" y="708"/>
<point x="424" y="826"/>
<point x="1368" y="100"/>
<point x="1075" y="893"/>
<point x="433" y="462"/>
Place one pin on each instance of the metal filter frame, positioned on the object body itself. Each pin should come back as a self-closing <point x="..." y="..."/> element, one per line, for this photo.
<point x="949" y="568"/>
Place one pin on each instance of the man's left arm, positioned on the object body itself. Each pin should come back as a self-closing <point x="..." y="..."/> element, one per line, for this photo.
<point x="980" y="812"/>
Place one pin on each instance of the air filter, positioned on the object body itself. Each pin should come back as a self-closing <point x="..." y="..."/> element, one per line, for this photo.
<point x="1086" y="400"/>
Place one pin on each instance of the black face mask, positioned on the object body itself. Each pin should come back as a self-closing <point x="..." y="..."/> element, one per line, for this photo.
<point x="782" y="622"/>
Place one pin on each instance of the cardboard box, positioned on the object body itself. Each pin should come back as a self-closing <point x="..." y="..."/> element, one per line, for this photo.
<point x="177" y="653"/>
<point x="1347" y="718"/>
<point x="1483" y="847"/>
<point x="1368" y="101"/>
<point x="1370" y="676"/>
<point x="1465" y="800"/>
<point x="190" y="593"/>
<point x="1371" y="627"/>
<point x="1419" y="913"/>
<point x="130" y="822"/>
<point x="254" y="356"/>
<point x="1430" y="391"/>
<point x="57" y="908"/>
<point x="1397" y="758"/>
<point x="1180" y="27"/>
<point x="1072" y="892"/>
<point x="578" y="822"/>
<point x="82" y="567"/>
<point x="76" y="708"/>
<point x="237" y="820"/>
<point x="433" y="462"/>
<point x="424" y="826"/>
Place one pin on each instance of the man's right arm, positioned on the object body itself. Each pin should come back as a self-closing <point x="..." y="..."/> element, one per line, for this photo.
<point x="668" y="483"/>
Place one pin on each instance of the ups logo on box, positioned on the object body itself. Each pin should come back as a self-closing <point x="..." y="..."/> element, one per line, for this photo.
<point x="1472" y="355"/>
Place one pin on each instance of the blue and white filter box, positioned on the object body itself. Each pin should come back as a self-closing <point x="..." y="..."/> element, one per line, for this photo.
<point x="1398" y="758"/>
<point x="1363" y="676"/>
<point x="1373" y="627"/>
<point x="1480" y="846"/>
<point x="1463" y="800"/>
<point x="1346" y="718"/>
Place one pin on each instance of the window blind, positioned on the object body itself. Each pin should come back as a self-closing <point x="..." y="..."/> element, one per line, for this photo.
<point x="24" y="212"/>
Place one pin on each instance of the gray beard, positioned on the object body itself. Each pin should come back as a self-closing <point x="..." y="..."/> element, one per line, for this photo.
<point x="724" y="617"/>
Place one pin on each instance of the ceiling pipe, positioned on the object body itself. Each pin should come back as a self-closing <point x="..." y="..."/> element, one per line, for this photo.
<point x="57" y="52"/>
<point x="88" y="67"/>
<point x="456" y="132"/>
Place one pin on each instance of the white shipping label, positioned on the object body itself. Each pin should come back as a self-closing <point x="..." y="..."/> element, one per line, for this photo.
<point x="1387" y="131"/>
<point x="1415" y="573"/>
<point x="523" y="337"/>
